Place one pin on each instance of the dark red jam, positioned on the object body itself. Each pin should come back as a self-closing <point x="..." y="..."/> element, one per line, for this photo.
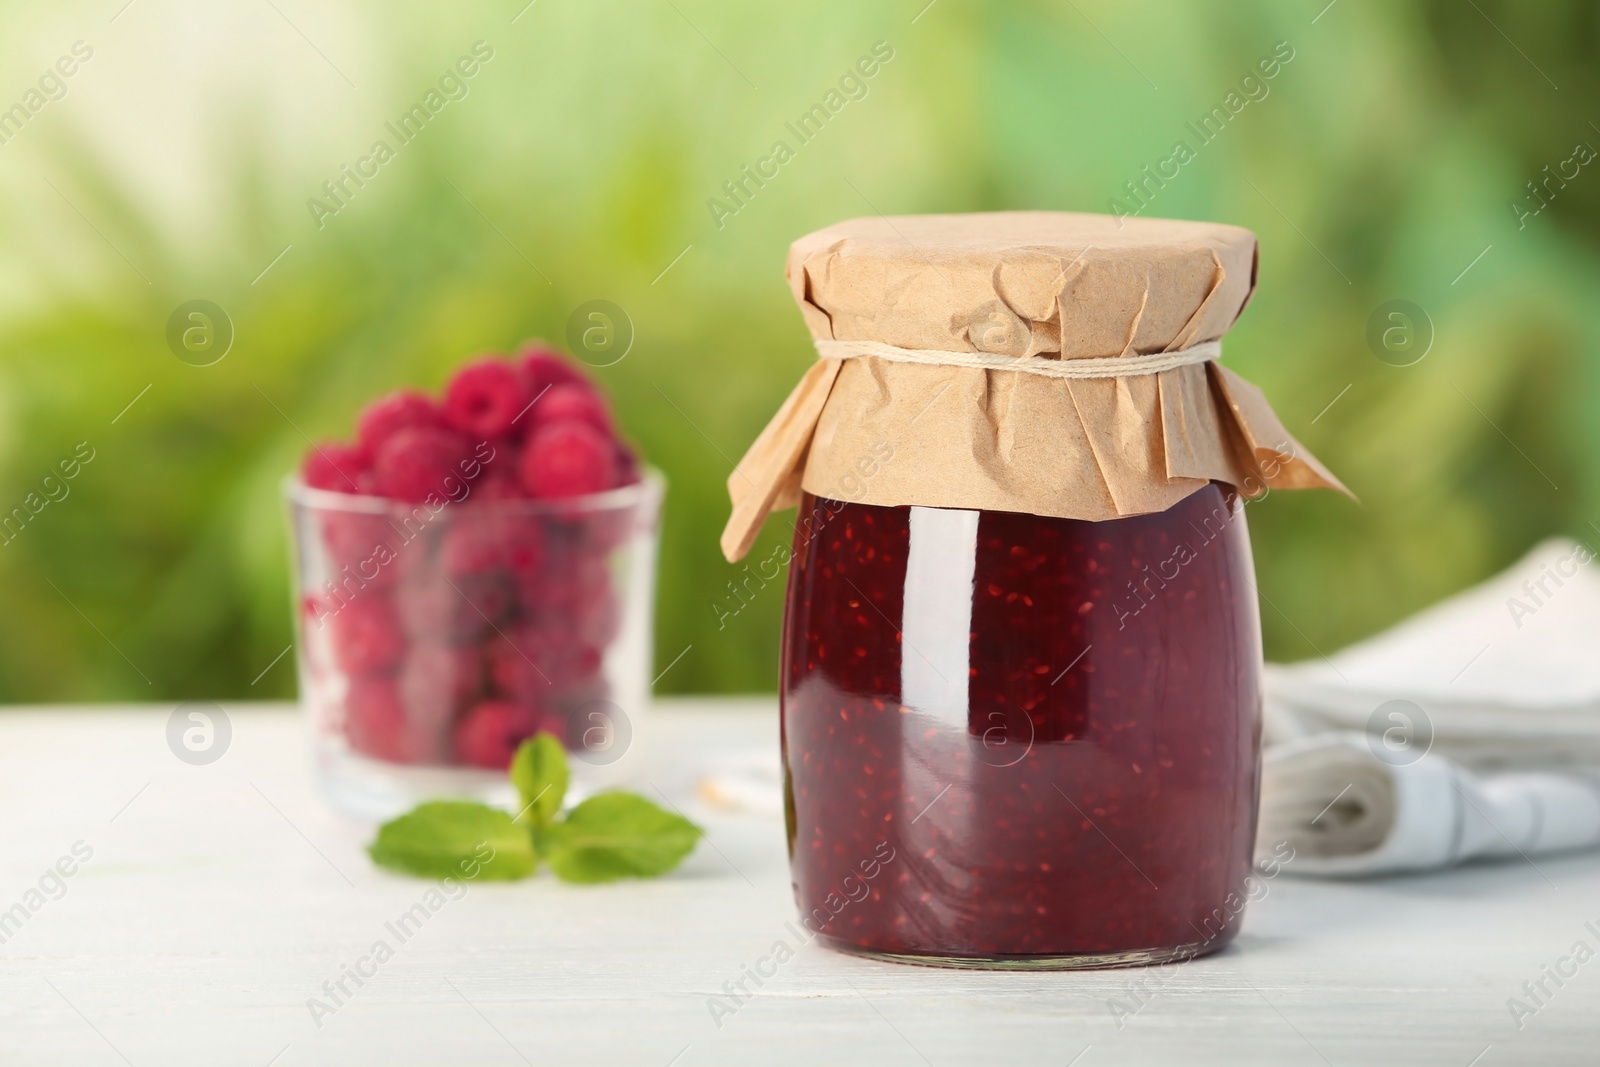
<point x="1010" y="738"/>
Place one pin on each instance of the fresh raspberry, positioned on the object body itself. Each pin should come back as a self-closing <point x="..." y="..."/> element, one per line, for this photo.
<point x="436" y="682"/>
<point x="566" y="635"/>
<point x="575" y="402"/>
<point x="365" y="634"/>
<point x="479" y="542"/>
<point x="362" y="552"/>
<point x="472" y="546"/>
<point x="529" y="593"/>
<point x="426" y="609"/>
<point x="627" y="464"/>
<point x="581" y="601"/>
<point x="434" y="609"/>
<point x="512" y="672"/>
<point x="413" y="559"/>
<point x="577" y="575"/>
<point x="353" y="536"/>
<point x="487" y="598"/>
<point x="338" y="468"/>
<point x="493" y="463"/>
<point x="491" y="732"/>
<point x="421" y="462"/>
<point x="491" y="454"/>
<point x="533" y="663"/>
<point x="485" y="397"/>
<point x="594" y="531"/>
<point x="499" y="482"/>
<point x="544" y="367"/>
<point x="567" y="459"/>
<point x="405" y="409"/>
<point x="602" y="622"/>
<point x="553" y="721"/>
<point x="571" y="615"/>
<point x="374" y="720"/>
<point x="545" y="595"/>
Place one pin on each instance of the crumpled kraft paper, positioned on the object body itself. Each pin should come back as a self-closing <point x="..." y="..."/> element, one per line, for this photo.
<point x="1021" y="284"/>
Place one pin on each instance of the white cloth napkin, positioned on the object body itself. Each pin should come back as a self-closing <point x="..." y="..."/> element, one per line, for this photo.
<point x="1470" y="730"/>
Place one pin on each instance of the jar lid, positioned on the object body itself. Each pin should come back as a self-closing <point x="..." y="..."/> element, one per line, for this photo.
<point x="1024" y="283"/>
<point x="1041" y="362"/>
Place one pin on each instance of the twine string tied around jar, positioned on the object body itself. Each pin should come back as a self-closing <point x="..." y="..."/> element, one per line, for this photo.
<point x="1079" y="369"/>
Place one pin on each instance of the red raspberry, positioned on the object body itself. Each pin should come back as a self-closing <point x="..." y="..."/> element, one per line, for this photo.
<point x="417" y="463"/>
<point x="571" y="604"/>
<point x="600" y="624"/>
<point x="627" y="465"/>
<point x="479" y="542"/>
<point x="576" y="576"/>
<point x="567" y="459"/>
<point x="361" y="553"/>
<point x="589" y="610"/>
<point x="568" y="635"/>
<point x="432" y="609"/>
<point x="492" y="461"/>
<point x="412" y="559"/>
<point x="487" y="597"/>
<point x="485" y="397"/>
<point x="353" y="536"/>
<point x="405" y="409"/>
<point x="491" y="732"/>
<point x="338" y="468"/>
<point x="593" y="531"/>
<point x="374" y="720"/>
<point x="554" y="722"/>
<point x="511" y="669"/>
<point x="366" y="637"/>
<point x="426" y="609"/>
<point x="578" y="403"/>
<point x="543" y="367"/>
<point x="499" y="482"/>
<point x="436" y="682"/>
<point x="530" y="664"/>
<point x="530" y="592"/>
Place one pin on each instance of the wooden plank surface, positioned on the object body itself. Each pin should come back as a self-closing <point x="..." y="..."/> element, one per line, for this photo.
<point x="218" y="899"/>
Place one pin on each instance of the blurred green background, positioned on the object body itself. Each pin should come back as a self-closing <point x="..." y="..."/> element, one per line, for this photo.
<point x="1385" y="163"/>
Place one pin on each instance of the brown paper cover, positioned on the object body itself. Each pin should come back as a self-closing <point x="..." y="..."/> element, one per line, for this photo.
<point x="1021" y="284"/>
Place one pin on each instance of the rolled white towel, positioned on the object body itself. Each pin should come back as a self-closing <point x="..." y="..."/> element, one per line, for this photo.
<point x="1502" y="676"/>
<point x="1350" y="807"/>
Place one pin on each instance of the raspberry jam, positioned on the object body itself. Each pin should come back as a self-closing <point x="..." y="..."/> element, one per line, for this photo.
<point x="1012" y="740"/>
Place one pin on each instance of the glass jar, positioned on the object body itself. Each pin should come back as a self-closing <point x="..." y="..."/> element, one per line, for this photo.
<point x="1012" y="740"/>
<point x="434" y="639"/>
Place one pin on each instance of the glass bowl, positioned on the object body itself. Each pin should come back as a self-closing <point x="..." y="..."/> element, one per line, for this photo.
<point x="433" y="638"/>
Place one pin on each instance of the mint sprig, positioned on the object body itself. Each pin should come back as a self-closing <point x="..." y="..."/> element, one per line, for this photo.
<point x="618" y="835"/>
<point x="539" y="771"/>
<point x="610" y="836"/>
<point x="449" y="838"/>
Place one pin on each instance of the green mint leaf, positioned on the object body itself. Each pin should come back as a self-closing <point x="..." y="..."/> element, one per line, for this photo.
<point x="618" y="835"/>
<point x="539" y="771"/>
<point x="455" y="839"/>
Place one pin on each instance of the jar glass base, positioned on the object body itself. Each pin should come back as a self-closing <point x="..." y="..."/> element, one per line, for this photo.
<point x="1087" y="961"/>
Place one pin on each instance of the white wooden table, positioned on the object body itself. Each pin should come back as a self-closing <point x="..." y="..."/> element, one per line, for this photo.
<point x="219" y="898"/>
